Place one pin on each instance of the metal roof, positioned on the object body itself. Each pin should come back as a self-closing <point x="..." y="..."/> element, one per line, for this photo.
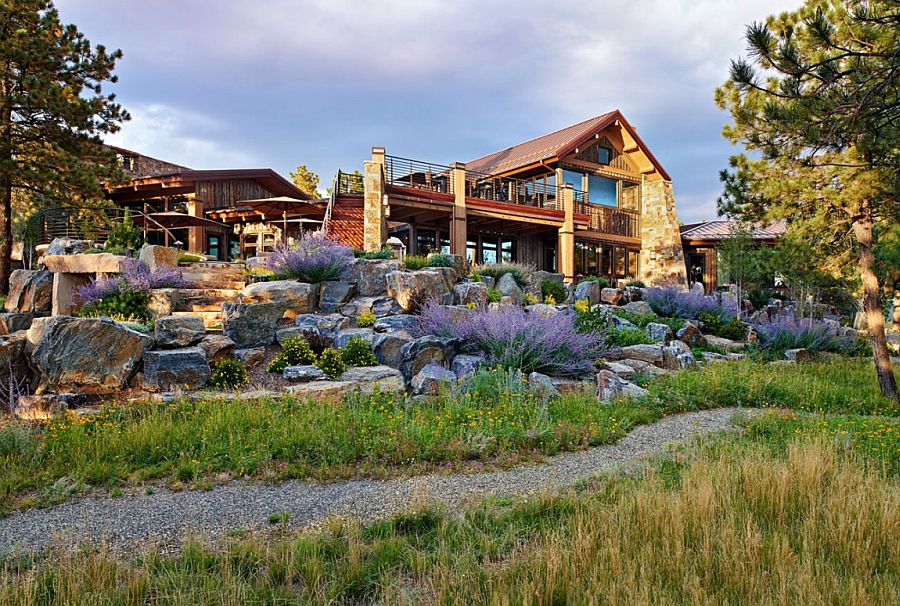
<point x="722" y="229"/>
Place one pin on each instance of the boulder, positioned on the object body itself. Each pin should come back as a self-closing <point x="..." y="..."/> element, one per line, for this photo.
<point x="711" y="356"/>
<point x="388" y="347"/>
<point x="639" y="307"/>
<point x="422" y="351"/>
<point x="179" y="331"/>
<point x="380" y="306"/>
<point x="612" y="296"/>
<point x="168" y="369"/>
<point x="366" y="334"/>
<point x="508" y="287"/>
<point x="618" y="322"/>
<point x="364" y="379"/>
<point x="163" y="301"/>
<point x="542" y="385"/>
<point x="11" y="322"/>
<point x="644" y="368"/>
<point x="295" y="297"/>
<point x="568" y="385"/>
<point x="798" y="355"/>
<point x="652" y="354"/>
<point x="448" y="274"/>
<point x="398" y="323"/>
<point x="587" y="290"/>
<point x="303" y="374"/>
<point x="697" y="288"/>
<point x="216" y="347"/>
<point x="488" y="281"/>
<point x="430" y="379"/>
<point x="634" y="293"/>
<point x="251" y="324"/>
<point x="370" y="274"/>
<point x="158" y="256"/>
<point x="466" y="365"/>
<point x="690" y="334"/>
<point x="334" y="295"/>
<point x="542" y="310"/>
<point x="660" y="333"/>
<point x="29" y="291"/>
<point x="677" y="355"/>
<point x="86" y="355"/>
<point x="474" y="293"/>
<point x="414" y="288"/>
<point x="610" y="385"/>
<point x="537" y="278"/>
<point x="250" y="356"/>
<point x="47" y="406"/>
<point x="67" y="246"/>
<point x="325" y="325"/>
<point x="16" y="375"/>
<point x="623" y="370"/>
<point x="723" y="343"/>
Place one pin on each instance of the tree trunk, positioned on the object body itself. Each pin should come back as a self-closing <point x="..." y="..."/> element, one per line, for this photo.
<point x="895" y="323"/>
<point x="862" y="229"/>
<point x="6" y="186"/>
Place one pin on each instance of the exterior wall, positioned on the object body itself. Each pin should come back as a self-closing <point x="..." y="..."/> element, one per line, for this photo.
<point x="662" y="257"/>
<point x="225" y="193"/>
<point x="137" y="166"/>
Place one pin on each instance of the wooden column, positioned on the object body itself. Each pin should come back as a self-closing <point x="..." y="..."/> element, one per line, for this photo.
<point x="374" y="215"/>
<point x="196" y="235"/>
<point x="566" y="250"/>
<point x="458" y="234"/>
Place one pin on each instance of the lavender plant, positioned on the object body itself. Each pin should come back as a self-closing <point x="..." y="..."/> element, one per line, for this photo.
<point x="672" y="302"/>
<point x="316" y="258"/>
<point x="512" y="339"/>
<point x="789" y="332"/>
<point x="136" y="277"/>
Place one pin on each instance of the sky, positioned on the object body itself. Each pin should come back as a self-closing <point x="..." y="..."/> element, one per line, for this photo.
<point x="277" y="83"/>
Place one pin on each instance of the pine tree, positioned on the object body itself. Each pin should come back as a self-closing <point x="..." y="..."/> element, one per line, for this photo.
<point x="306" y="180"/>
<point x="818" y="102"/>
<point x="53" y="112"/>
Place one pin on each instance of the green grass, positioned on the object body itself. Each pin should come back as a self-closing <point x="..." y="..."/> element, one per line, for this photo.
<point x="734" y="522"/>
<point x="641" y="320"/>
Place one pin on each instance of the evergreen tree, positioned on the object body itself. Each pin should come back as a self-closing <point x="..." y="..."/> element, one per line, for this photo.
<point x="53" y="112"/>
<point x="306" y="180"/>
<point x="818" y="101"/>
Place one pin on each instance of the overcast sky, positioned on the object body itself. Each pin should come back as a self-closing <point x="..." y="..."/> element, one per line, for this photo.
<point x="277" y="83"/>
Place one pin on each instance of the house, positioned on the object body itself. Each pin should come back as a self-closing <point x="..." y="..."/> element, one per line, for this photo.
<point x="700" y="242"/>
<point x="589" y="199"/>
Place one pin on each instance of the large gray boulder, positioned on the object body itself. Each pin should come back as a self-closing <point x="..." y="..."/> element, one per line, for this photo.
<point x="422" y="351"/>
<point x="67" y="246"/>
<point x="474" y="293"/>
<point x="587" y="290"/>
<point x="11" y="322"/>
<point x="334" y="295"/>
<point x="216" y="347"/>
<point x="380" y="306"/>
<point x="466" y="365"/>
<point x="169" y="369"/>
<point x="251" y="324"/>
<point x="86" y="355"/>
<point x="651" y="354"/>
<point x="369" y="275"/>
<point x="400" y="322"/>
<point x="388" y="347"/>
<point x="677" y="355"/>
<point x="542" y="310"/>
<point x="430" y="379"/>
<point x="303" y="374"/>
<point x="612" y="296"/>
<point x="325" y="325"/>
<point x="295" y="297"/>
<point x="29" y="291"/>
<point x="342" y="337"/>
<point x="638" y="307"/>
<point x="508" y="287"/>
<point x="179" y="331"/>
<point x="542" y="385"/>
<point x="16" y="377"/>
<point x="623" y="370"/>
<point x="156" y="257"/>
<point x="413" y="288"/>
<point x="660" y="333"/>
<point x="610" y="385"/>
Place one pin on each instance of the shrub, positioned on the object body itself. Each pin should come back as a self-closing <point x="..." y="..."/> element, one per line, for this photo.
<point x="603" y="282"/>
<point x="317" y="342"/>
<point x="790" y="332"/>
<point x="366" y="319"/>
<point x="439" y="260"/>
<point x="493" y="295"/>
<point x="635" y="284"/>
<point x="295" y="351"/>
<point x="641" y="320"/>
<point x="358" y="352"/>
<point x="530" y="299"/>
<point x="554" y="289"/>
<point x="124" y="235"/>
<point x="229" y="374"/>
<point x="17" y="441"/>
<point x="316" y="258"/>
<point x="732" y="328"/>
<point x="759" y="298"/>
<point x="625" y="336"/>
<point x="582" y="306"/>
<point x="384" y="253"/>
<point x="125" y="305"/>
<point x="520" y="273"/>
<point x="512" y="339"/>
<point x="676" y="303"/>
<point x="414" y="262"/>
<point x="330" y="363"/>
<point x="591" y="320"/>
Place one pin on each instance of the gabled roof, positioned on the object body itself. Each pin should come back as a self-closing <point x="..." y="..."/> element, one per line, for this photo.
<point x="274" y="182"/>
<point x="556" y="145"/>
<point x="722" y="229"/>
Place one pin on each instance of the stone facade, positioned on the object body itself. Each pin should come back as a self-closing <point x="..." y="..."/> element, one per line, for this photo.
<point x="662" y="258"/>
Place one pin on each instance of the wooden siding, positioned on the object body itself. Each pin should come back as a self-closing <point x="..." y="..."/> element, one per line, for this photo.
<point x="225" y="193"/>
<point x="618" y="160"/>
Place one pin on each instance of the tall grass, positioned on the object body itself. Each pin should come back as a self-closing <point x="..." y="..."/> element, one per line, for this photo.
<point x="736" y="526"/>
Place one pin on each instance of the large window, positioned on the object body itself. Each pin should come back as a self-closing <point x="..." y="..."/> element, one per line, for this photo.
<point x="573" y="177"/>
<point x="488" y="251"/>
<point x="602" y="190"/>
<point x="604" y="155"/>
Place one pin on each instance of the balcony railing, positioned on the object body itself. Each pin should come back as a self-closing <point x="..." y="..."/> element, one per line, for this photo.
<point x="512" y="191"/>
<point x="88" y="223"/>
<point x="349" y="183"/>
<point x="417" y="175"/>
<point x="611" y="220"/>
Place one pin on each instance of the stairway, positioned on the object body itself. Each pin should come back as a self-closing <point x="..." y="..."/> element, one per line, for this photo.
<point x="211" y="284"/>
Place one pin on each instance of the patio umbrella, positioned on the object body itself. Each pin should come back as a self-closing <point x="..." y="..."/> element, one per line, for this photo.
<point x="282" y="205"/>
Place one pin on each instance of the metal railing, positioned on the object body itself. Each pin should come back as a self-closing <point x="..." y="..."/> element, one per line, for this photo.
<point x="349" y="184"/>
<point x="87" y="223"/>
<point x="611" y="220"/>
<point x="415" y="174"/>
<point x="512" y="191"/>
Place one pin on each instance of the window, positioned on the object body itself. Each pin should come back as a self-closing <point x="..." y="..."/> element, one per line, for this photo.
<point x="573" y="177"/>
<point x="592" y="258"/>
<point x="445" y="243"/>
<point x="604" y="155"/>
<point x="471" y="251"/>
<point x="507" y="250"/>
<point x="424" y="241"/>
<point x="631" y="196"/>
<point x="489" y="251"/>
<point x="234" y="248"/>
<point x="620" y="262"/>
<point x="633" y="264"/>
<point x="602" y="190"/>
<point x="213" y="244"/>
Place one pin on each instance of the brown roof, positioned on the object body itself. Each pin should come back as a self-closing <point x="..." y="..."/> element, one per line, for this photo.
<point x="722" y="229"/>
<point x="554" y="145"/>
<point x="265" y="176"/>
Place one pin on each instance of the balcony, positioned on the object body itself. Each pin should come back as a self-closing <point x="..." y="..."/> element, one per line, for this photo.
<point x="611" y="220"/>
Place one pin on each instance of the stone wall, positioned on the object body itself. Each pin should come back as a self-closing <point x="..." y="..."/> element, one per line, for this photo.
<point x="662" y="258"/>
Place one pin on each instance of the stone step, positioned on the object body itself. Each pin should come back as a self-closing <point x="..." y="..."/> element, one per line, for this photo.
<point x="216" y="265"/>
<point x="210" y="318"/>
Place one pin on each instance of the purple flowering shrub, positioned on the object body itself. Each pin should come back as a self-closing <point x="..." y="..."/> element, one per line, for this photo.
<point x="789" y="332"/>
<point x="316" y="258"/>
<point x="671" y="302"/>
<point x="136" y="277"/>
<point x="512" y="339"/>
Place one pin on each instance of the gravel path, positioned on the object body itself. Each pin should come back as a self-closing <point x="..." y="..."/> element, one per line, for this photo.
<point x="165" y="518"/>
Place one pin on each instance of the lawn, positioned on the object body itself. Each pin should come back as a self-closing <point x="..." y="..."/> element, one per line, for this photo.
<point x="498" y="421"/>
